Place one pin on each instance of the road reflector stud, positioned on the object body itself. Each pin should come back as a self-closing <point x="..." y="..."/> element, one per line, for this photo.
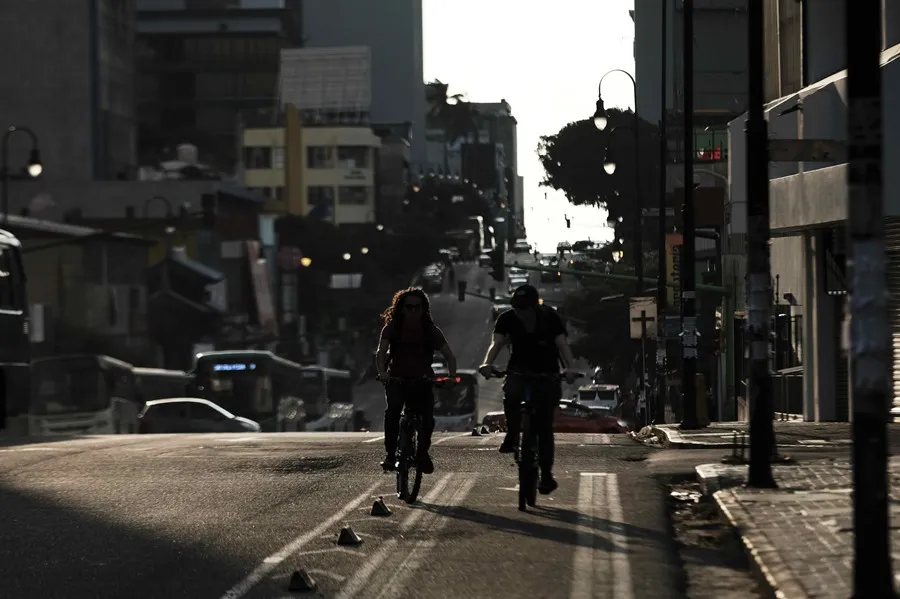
<point x="476" y="432"/>
<point x="379" y="508"/>
<point x="484" y="430"/>
<point x="348" y="537"/>
<point x="301" y="582"/>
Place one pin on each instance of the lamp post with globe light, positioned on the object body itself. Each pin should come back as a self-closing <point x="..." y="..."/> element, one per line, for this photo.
<point x="601" y="121"/>
<point x="35" y="168"/>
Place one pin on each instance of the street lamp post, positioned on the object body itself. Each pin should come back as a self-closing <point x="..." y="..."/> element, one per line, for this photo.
<point x="601" y="121"/>
<point x="35" y="168"/>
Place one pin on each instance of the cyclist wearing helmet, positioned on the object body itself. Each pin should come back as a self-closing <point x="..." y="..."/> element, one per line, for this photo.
<point x="538" y="337"/>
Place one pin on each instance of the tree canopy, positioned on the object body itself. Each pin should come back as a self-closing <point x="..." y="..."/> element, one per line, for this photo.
<point x="603" y="318"/>
<point x="573" y="163"/>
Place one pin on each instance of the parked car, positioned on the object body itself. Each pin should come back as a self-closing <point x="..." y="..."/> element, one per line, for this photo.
<point x="191" y="415"/>
<point x="547" y="276"/>
<point x="571" y="417"/>
<point x="484" y="260"/>
<point x="433" y="278"/>
<point x="520" y="247"/>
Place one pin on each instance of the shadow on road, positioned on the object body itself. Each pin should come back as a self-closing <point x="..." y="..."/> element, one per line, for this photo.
<point x="49" y="549"/>
<point x="603" y="537"/>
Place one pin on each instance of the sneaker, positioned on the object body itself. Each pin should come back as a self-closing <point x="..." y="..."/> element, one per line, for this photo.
<point x="389" y="463"/>
<point x="547" y="486"/>
<point x="425" y="464"/>
<point x="508" y="446"/>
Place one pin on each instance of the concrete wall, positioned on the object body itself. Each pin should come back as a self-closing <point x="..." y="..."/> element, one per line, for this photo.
<point x="810" y="194"/>
<point x="45" y="58"/>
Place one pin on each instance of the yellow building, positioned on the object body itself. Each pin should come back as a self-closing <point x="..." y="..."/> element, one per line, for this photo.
<point x="324" y="171"/>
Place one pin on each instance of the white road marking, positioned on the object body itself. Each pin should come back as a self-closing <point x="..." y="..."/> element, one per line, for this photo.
<point x="445" y="439"/>
<point x="598" y="497"/>
<point x="364" y="573"/>
<point x="598" y="439"/>
<point x="623" y="587"/>
<point x="271" y="562"/>
<point x="420" y="550"/>
<point x="374" y="439"/>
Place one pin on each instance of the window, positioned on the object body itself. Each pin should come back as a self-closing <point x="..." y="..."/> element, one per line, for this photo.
<point x="357" y="196"/>
<point x="201" y="411"/>
<point x="278" y="158"/>
<point x="353" y="157"/>
<point x="321" y="201"/>
<point x="255" y="158"/>
<point x="319" y="157"/>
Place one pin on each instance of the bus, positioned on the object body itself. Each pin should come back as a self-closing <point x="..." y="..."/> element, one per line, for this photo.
<point x="261" y="386"/>
<point x="456" y="406"/>
<point x="82" y="394"/>
<point x="15" y="343"/>
<point x="336" y="389"/>
<point x="158" y="383"/>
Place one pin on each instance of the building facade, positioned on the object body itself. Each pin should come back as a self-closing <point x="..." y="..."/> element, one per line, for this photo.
<point x="392" y="30"/>
<point x="201" y="64"/>
<point x="806" y="91"/>
<point x="335" y="180"/>
<point x="68" y="75"/>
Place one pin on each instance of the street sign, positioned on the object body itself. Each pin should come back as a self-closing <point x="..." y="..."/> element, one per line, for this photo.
<point x="807" y="150"/>
<point x="642" y="317"/>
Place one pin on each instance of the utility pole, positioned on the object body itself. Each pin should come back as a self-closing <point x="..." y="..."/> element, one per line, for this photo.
<point x="762" y="433"/>
<point x="661" y="291"/>
<point x="870" y="345"/>
<point x="688" y="266"/>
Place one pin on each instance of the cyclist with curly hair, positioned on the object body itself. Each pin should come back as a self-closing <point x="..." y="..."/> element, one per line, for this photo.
<point x="411" y="336"/>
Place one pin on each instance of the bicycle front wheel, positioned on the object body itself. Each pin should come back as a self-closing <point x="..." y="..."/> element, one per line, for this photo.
<point x="528" y="472"/>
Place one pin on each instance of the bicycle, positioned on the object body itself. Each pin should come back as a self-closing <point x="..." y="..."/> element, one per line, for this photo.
<point x="526" y="453"/>
<point x="408" y="441"/>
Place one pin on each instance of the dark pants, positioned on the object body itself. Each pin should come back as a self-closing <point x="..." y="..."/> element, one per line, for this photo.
<point x="421" y="398"/>
<point x="545" y="395"/>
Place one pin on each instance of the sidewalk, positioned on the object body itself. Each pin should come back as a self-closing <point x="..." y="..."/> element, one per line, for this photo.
<point x="799" y="537"/>
<point x="788" y="433"/>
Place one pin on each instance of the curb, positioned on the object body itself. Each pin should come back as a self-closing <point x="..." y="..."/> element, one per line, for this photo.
<point x="764" y="559"/>
<point x="675" y="440"/>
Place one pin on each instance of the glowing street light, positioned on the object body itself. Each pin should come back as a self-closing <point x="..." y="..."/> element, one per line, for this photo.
<point x="346" y="256"/>
<point x="609" y="162"/>
<point x="600" y="119"/>
<point x="364" y="251"/>
<point x="305" y="261"/>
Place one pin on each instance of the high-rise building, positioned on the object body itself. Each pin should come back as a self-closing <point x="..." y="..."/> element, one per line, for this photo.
<point x="392" y="29"/>
<point x="720" y="73"/>
<point x="68" y="75"/>
<point x="201" y="63"/>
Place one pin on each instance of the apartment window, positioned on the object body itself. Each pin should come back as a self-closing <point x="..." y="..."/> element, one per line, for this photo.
<point x="353" y="157"/>
<point x="320" y="199"/>
<point x="256" y="158"/>
<point x="278" y="158"/>
<point x="354" y="196"/>
<point x="319" y="157"/>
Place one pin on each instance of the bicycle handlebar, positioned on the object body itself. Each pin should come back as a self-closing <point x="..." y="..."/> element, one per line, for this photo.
<point x="418" y="379"/>
<point x="553" y="375"/>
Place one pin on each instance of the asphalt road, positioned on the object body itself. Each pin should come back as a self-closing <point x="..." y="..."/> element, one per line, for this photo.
<point x="232" y="516"/>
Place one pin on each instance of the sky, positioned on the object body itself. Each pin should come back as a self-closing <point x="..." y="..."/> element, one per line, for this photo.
<point x="546" y="59"/>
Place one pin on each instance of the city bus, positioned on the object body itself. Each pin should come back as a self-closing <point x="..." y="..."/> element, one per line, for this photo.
<point x="158" y="383"/>
<point x="456" y="406"/>
<point x="336" y="390"/>
<point x="82" y="394"/>
<point x="15" y="343"/>
<point x="261" y="386"/>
